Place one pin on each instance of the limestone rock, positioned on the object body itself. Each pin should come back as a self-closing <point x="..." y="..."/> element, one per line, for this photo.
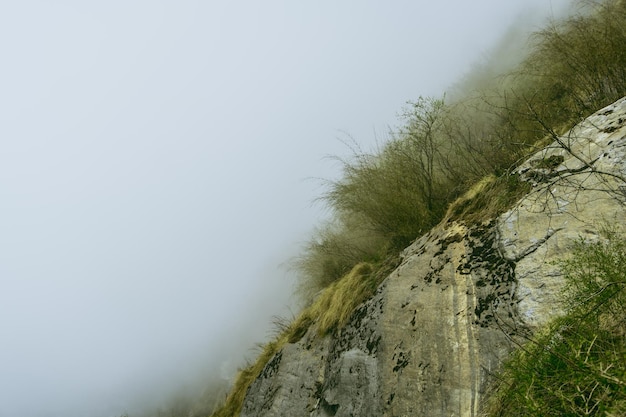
<point x="571" y="200"/>
<point x="437" y="328"/>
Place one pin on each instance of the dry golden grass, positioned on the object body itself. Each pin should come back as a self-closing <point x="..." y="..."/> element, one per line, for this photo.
<point x="330" y="310"/>
<point x="487" y="199"/>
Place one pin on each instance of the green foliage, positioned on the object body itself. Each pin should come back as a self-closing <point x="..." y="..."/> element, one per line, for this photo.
<point x="596" y="281"/>
<point x="577" y="367"/>
<point x="384" y="200"/>
<point x="574" y="68"/>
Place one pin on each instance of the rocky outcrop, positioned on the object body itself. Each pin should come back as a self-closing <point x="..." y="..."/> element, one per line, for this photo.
<point x="437" y="328"/>
<point x="579" y="188"/>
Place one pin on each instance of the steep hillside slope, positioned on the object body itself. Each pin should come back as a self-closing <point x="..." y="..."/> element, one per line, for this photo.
<point x="442" y="323"/>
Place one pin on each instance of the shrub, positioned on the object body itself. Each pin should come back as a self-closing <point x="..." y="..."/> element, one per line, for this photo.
<point x="401" y="190"/>
<point x="582" y="60"/>
<point x="334" y="250"/>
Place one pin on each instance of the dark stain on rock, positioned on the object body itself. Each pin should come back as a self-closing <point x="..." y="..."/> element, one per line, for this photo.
<point x="329" y="409"/>
<point x="493" y="276"/>
<point x="550" y="162"/>
<point x="372" y="343"/>
<point x="272" y="366"/>
<point x="402" y="361"/>
<point x="434" y="273"/>
<point x="444" y="243"/>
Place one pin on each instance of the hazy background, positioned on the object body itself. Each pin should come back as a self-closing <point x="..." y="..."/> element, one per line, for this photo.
<point x="153" y="166"/>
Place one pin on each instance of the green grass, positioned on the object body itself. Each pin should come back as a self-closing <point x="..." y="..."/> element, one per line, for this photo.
<point x="576" y="366"/>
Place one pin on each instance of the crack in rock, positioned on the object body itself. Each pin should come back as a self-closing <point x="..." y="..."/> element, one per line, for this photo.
<point x="529" y="250"/>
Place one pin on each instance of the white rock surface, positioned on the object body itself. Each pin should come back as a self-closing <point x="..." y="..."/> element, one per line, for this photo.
<point x="571" y="200"/>
<point x="428" y="342"/>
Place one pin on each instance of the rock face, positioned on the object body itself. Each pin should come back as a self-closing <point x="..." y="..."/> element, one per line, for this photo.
<point x="437" y="328"/>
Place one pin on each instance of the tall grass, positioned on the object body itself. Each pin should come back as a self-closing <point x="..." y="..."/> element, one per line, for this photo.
<point x="577" y="367"/>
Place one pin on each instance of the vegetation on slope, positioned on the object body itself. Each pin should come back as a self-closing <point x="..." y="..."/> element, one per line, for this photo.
<point x="452" y="160"/>
<point x="387" y="198"/>
<point x="577" y="367"/>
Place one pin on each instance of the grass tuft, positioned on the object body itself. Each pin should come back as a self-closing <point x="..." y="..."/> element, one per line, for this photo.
<point x="330" y="311"/>
<point x="577" y="365"/>
<point x="487" y="199"/>
<point x="333" y="307"/>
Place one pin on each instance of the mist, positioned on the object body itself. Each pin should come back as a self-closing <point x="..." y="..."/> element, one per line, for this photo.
<point x="155" y="174"/>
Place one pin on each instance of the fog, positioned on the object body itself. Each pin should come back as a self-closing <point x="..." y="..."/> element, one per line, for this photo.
<point x="155" y="167"/>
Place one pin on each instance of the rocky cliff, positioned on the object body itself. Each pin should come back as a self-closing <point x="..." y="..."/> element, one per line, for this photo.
<point x="441" y="324"/>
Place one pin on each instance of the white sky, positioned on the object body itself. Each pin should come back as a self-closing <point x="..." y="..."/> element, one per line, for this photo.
<point x="153" y="165"/>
